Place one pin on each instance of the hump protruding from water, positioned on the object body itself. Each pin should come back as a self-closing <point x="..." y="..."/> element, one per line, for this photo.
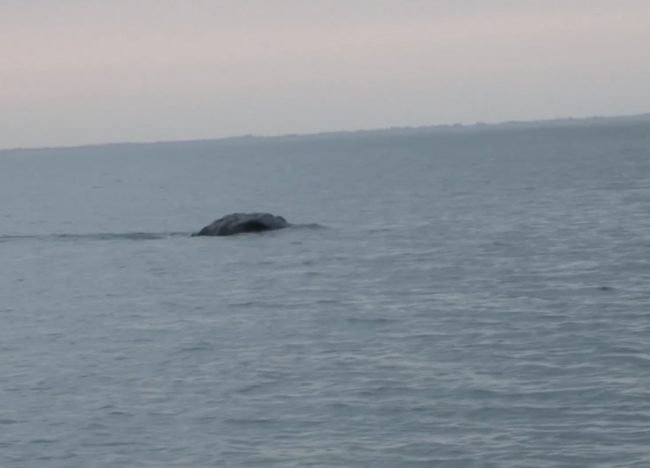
<point x="238" y="223"/>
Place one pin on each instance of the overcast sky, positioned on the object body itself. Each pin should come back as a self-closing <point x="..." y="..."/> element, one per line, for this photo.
<point x="91" y="71"/>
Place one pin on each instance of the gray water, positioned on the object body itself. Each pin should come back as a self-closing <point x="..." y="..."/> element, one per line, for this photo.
<point x="448" y="299"/>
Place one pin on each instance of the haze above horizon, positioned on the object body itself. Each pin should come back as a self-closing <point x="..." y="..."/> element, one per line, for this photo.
<point x="76" y="72"/>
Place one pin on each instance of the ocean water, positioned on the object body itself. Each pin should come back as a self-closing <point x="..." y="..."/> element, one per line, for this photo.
<point x="476" y="298"/>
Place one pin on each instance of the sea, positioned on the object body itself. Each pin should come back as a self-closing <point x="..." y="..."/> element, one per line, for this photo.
<point x="473" y="296"/>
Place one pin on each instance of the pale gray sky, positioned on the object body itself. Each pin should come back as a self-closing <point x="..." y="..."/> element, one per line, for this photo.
<point x="90" y="71"/>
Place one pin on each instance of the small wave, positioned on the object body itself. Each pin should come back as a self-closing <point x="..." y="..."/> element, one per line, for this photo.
<point x="116" y="236"/>
<point x="371" y="320"/>
<point x="92" y="236"/>
<point x="309" y="226"/>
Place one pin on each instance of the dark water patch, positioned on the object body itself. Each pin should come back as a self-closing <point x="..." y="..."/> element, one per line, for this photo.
<point x="308" y="226"/>
<point x="196" y="347"/>
<point x="250" y="421"/>
<point x="43" y="441"/>
<point x="105" y="236"/>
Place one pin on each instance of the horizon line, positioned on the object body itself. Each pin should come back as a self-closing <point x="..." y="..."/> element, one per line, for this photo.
<point x="453" y="127"/>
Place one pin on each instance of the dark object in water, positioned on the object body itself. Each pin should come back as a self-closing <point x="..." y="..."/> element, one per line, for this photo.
<point x="238" y="223"/>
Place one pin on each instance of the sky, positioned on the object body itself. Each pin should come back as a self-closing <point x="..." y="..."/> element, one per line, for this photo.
<point x="78" y="72"/>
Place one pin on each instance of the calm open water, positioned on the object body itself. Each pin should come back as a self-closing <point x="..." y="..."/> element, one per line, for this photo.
<point x="460" y="299"/>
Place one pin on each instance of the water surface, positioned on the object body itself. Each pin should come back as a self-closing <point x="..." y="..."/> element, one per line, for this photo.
<point x="460" y="299"/>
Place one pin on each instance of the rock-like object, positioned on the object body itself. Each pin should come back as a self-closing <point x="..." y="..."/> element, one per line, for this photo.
<point x="238" y="223"/>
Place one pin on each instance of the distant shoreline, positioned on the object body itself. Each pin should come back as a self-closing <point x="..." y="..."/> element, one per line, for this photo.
<point x="387" y="131"/>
